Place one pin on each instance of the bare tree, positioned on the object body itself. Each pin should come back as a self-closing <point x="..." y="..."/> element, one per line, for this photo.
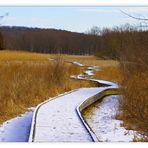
<point x="94" y="31"/>
<point x="143" y="20"/>
<point x="135" y="17"/>
<point x="1" y="36"/>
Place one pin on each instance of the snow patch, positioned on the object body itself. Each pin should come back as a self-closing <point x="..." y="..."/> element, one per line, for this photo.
<point x="89" y="73"/>
<point x="95" y="68"/>
<point x="17" y="129"/>
<point x="77" y="63"/>
<point x="102" y="121"/>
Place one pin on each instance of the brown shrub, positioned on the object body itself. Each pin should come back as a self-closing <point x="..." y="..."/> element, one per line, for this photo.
<point x="134" y="103"/>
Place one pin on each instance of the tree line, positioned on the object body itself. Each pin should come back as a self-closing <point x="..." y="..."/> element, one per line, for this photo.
<point x="49" y="40"/>
<point x="127" y="44"/>
<point x="112" y="43"/>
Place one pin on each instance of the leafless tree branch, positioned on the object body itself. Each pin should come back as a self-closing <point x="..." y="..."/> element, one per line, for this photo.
<point x="134" y="17"/>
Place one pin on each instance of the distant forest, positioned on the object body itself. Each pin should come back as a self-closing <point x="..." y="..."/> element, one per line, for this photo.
<point x="112" y="43"/>
<point x="49" y="40"/>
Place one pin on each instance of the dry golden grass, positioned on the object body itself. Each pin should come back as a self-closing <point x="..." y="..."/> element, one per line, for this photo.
<point x="110" y="73"/>
<point x="19" y="56"/>
<point x="24" y="85"/>
<point x="134" y="103"/>
<point x="91" y="60"/>
<point x="27" y="79"/>
<point x="6" y="55"/>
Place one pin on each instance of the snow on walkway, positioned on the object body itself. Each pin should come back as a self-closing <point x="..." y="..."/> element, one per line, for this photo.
<point x="78" y="64"/>
<point x="57" y="120"/>
<point x="16" y="129"/>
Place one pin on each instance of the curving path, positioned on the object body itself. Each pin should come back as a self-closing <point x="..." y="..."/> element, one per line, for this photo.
<point x="59" y="119"/>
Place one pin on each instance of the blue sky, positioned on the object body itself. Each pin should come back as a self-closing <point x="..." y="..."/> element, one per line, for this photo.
<point x="78" y="19"/>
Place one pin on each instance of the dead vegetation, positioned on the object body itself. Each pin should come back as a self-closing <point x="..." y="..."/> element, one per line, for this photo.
<point x="92" y="61"/>
<point x="134" y="103"/>
<point x="26" y="83"/>
<point x="20" y="56"/>
<point x="129" y="45"/>
<point x="26" y="79"/>
<point x="110" y="74"/>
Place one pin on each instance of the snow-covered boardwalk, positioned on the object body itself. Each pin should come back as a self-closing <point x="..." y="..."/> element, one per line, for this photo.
<point x="62" y="118"/>
<point x="57" y="120"/>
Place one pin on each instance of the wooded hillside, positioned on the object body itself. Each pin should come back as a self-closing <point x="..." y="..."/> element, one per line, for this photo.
<point x="49" y="40"/>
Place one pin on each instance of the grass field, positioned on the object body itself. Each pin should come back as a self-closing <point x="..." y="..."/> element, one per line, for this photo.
<point x="27" y="79"/>
<point x="6" y="55"/>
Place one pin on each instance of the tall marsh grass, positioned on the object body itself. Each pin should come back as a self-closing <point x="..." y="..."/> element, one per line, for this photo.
<point x="134" y="103"/>
<point x="24" y="84"/>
